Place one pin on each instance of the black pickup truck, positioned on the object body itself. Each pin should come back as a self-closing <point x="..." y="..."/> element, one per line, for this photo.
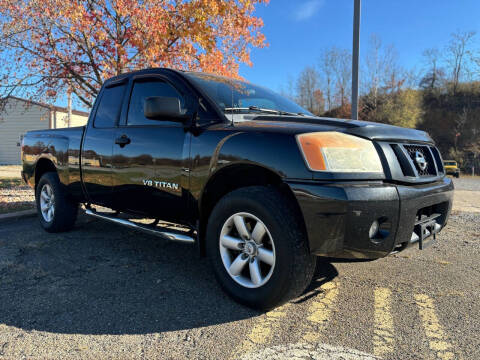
<point x="259" y="184"/>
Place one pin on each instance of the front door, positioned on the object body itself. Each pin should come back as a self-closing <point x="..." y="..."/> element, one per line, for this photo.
<point x="97" y="148"/>
<point x="149" y="157"/>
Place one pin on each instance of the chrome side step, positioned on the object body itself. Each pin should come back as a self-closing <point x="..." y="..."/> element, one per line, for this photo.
<point x="172" y="236"/>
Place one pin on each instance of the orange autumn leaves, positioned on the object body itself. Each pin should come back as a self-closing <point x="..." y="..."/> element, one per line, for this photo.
<point x="49" y="44"/>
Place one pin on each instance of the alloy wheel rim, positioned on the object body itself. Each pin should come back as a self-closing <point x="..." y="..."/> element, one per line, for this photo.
<point x="247" y="250"/>
<point x="47" y="203"/>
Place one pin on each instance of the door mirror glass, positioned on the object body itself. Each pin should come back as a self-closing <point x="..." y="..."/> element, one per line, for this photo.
<point x="163" y="108"/>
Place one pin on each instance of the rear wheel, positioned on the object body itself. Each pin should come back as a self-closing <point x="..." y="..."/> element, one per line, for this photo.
<point x="56" y="211"/>
<point x="258" y="248"/>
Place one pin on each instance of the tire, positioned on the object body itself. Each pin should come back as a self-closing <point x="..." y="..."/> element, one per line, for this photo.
<point x="293" y="266"/>
<point x="457" y="175"/>
<point x="63" y="210"/>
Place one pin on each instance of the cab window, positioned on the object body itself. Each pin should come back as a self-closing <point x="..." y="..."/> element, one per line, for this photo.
<point x="109" y="107"/>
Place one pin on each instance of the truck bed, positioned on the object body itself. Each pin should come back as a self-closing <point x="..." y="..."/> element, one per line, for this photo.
<point x="62" y="147"/>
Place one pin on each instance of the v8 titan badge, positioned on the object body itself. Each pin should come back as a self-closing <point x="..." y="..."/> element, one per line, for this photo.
<point x="161" y="184"/>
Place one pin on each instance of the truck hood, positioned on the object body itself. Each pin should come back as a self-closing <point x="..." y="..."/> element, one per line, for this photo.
<point x="365" y="129"/>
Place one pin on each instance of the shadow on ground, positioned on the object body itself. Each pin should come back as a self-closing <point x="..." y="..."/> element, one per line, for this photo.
<point x="103" y="279"/>
<point x="324" y="272"/>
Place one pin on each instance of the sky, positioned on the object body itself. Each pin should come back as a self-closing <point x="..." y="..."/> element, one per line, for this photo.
<point x="298" y="30"/>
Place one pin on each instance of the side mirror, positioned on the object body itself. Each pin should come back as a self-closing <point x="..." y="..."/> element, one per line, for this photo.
<point x="163" y="108"/>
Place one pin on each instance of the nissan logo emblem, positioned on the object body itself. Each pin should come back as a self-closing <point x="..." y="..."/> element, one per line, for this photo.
<point x="420" y="160"/>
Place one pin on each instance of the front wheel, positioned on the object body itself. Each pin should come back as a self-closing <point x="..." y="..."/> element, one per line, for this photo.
<point x="56" y="211"/>
<point x="258" y="248"/>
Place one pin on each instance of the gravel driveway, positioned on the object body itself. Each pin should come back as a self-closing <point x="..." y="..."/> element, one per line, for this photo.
<point x="101" y="291"/>
<point x="467" y="183"/>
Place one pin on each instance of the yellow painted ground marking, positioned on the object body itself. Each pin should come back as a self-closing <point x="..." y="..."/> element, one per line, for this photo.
<point x="262" y="330"/>
<point x="321" y="310"/>
<point x="433" y="328"/>
<point x="383" y="339"/>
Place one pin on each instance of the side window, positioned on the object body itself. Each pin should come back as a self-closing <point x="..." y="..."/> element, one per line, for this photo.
<point x="142" y="90"/>
<point x="109" y="107"/>
<point x="205" y="114"/>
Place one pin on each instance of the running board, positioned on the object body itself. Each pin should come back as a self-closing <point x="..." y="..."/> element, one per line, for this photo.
<point x="172" y="236"/>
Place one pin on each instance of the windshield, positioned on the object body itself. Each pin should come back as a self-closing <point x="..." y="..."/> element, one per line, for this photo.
<point x="235" y="96"/>
<point x="450" y="163"/>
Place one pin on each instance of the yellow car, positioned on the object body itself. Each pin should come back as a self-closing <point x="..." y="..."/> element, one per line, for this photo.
<point x="451" y="168"/>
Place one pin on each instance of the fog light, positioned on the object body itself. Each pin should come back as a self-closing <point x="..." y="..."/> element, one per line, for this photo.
<point x="373" y="232"/>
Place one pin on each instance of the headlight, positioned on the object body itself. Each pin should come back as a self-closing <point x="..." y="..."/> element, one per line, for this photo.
<point x="338" y="152"/>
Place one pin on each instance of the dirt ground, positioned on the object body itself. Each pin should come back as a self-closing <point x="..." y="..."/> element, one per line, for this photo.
<point x="467" y="190"/>
<point x="14" y="194"/>
<point x="10" y="171"/>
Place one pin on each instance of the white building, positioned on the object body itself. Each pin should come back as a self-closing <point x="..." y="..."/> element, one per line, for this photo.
<point x="20" y="115"/>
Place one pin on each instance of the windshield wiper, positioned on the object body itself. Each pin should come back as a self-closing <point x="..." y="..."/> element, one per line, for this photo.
<point x="256" y="108"/>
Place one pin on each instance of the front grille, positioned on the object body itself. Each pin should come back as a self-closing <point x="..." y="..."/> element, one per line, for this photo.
<point x="423" y="151"/>
<point x="438" y="159"/>
<point x="410" y="158"/>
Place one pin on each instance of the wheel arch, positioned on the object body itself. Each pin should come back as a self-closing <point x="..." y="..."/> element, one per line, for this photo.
<point x="233" y="177"/>
<point x="43" y="166"/>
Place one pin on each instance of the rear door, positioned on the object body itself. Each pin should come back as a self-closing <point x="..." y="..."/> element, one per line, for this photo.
<point x="97" y="148"/>
<point x="150" y="156"/>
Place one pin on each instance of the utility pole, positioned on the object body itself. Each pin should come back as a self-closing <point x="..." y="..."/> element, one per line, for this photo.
<point x="69" y="105"/>
<point x="355" y="57"/>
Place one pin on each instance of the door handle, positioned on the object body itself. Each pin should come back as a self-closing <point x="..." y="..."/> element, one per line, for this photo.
<point x="122" y="140"/>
